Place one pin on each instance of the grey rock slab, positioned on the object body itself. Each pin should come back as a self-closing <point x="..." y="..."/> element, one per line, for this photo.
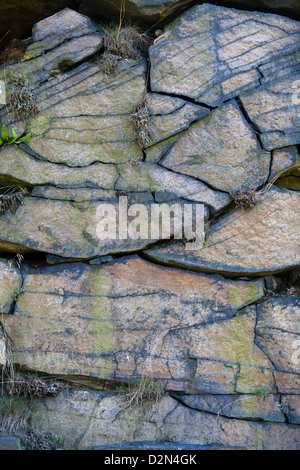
<point x="101" y="419"/>
<point x="169" y="116"/>
<point x="134" y="318"/>
<point x="154" y="178"/>
<point x="210" y="53"/>
<point x="260" y="241"/>
<point x="278" y="332"/>
<point x="10" y="443"/>
<point x="237" y="406"/>
<point x="63" y="228"/>
<point x="275" y="111"/>
<point x="222" y="150"/>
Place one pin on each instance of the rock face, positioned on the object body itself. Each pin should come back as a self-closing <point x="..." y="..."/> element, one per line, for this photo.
<point x="135" y="317"/>
<point x="103" y="418"/>
<point x="216" y="327"/>
<point x="213" y="54"/>
<point x="205" y="153"/>
<point x="10" y="284"/>
<point x="235" y="243"/>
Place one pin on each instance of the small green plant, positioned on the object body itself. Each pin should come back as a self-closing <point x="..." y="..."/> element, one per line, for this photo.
<point x="17" y="293"/>
<point x="22" y="100"/>
<point x="6" y="140"/>
<point x="261" y="392"/>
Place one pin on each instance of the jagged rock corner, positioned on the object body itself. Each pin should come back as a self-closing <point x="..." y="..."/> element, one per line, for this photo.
<point x="217" y="327"/>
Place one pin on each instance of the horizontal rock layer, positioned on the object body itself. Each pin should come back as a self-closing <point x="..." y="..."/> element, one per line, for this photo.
<point x="102" y="419"/>
<point x="237" y="242"/>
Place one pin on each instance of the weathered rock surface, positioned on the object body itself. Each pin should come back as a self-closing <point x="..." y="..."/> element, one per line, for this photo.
<point x="61" y="227"/>
<point x="221" y="91"/>
<point x="273" y="112"/>
<point x="10" y="443"/>
<point x="168" y="185"/>
<point x="261" y="241"/>
<point x="169" y="116"/>
<point x="291" y="408"/>
<point x="10" y="283"/>
<point x="18" y="164"/>
<point x="283" y="159"/>
<point x="135" y="318"/>
<point x="266" y="408"/>
<point x="212" y="53"/>
<point x="278" y="330"/>
<point x="222" y="150"/>
<point x="82" y="120"/>
<point x="53" y="31"/>
<point x="97" y="418"/>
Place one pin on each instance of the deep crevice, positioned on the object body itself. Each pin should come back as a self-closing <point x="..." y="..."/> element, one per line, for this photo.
<point x="219" y="414"/>
<point x="185" y="98"/>
<point x="256" y="130"/>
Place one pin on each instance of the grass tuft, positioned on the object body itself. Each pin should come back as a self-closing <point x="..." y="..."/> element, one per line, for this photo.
<point x="144" y="389"/>
<point x="11" y="197"/>
<point x="244" y="198"/>
<point x="33" y="387"/>
<point x="122" y="42"/>
<point x="22" y="101"/>
<point x="141" y="121"/>
<point x="14" y="415"/>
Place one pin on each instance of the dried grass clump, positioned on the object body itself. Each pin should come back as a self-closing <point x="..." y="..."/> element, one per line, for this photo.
<point x="122" y="42"/>
<point x="292" y="170"/>
<point x="141" y="121"/>
<point x="136" y="160"/>
<point x="8" y="369"/>
<point x="35" y="439"/>
<point x="14" y="415"/>
<point x="108" y="62"/>
<point x="34" y="387"/>
<point x="22" y="100"/>
<point x="145" y="389"/>
<point x="125" y="41"/>
<point x="245" y="198"/>
<point x="10" y="199"/>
